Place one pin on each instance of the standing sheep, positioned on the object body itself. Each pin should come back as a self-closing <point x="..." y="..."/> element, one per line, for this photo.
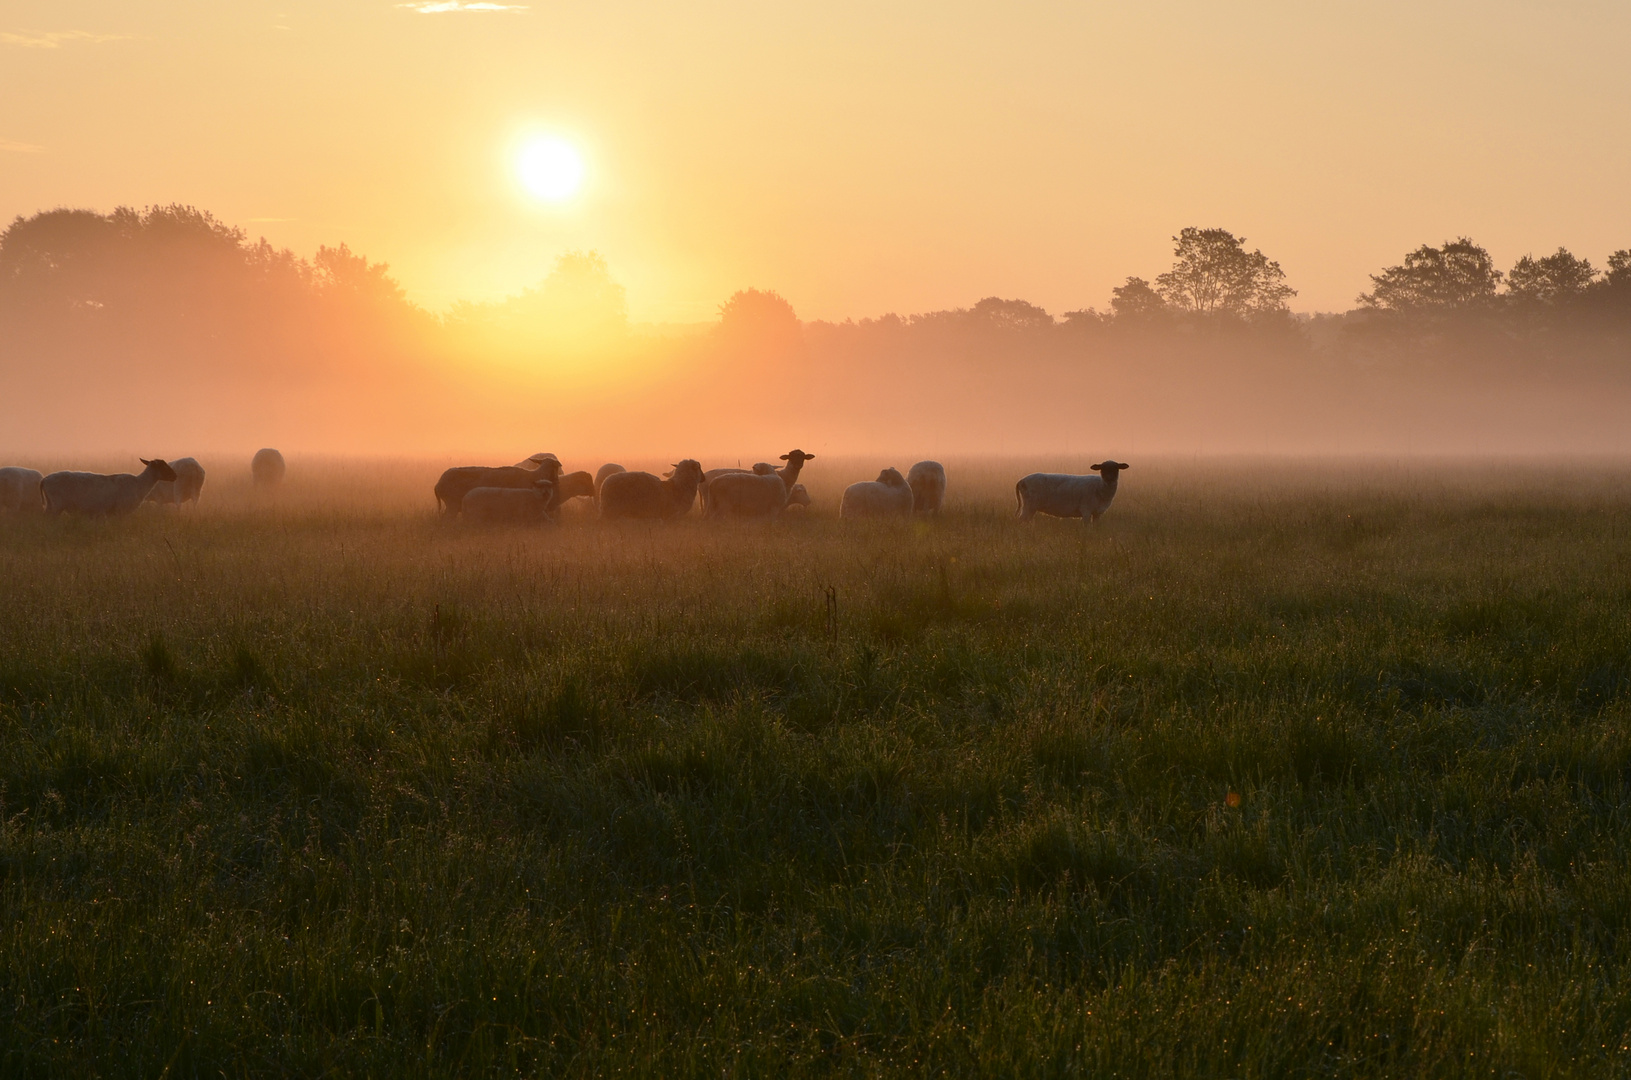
<point x="102" y="495"/>
<point x="789" y="473"/>
<point x="186" y="487"/>
<point x="1068" y="495"/>
<point x="642" y="495"/>
<point x="454" y="483"/>
<point x="928" y="482"/>
<point x="574" y="485"/>
<point x="267" y="468"/>
<point x="887" y="496"/>
<point x="611" y="468"/>
<point x="20" y="489"/>
<point x="509" y="506"/>
<point x="749" y="495"/>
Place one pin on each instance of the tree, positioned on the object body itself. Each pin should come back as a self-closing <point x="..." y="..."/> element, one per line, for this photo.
<point x="1619" y="270"/>
<point x="1550" y="281"/>
<point x="1010" y="314"/>
<point x="1214" y="274"/>
<point x="1458" y="277"/>
<point x="1136" y="301"/>
<point x="757" y="312"/>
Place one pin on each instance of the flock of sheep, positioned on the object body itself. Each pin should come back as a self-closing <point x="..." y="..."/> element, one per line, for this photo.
<point x="117" y="494"/>
<point x="534" y="490"/>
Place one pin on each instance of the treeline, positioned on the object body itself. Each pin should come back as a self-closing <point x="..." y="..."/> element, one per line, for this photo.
<point x="110" y="320"/>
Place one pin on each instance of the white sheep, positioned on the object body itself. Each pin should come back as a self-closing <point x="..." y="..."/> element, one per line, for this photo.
<point x="611" y="468"/>
<point x="789" y="473"/>
<point x="750" y="495"/>
<point x="456" y="482"/>
<point x="887" y="496"/>
<point x="928" y="483"/>
<point x="509" y="506"/>
<point x="20" y="489"/>
<point x="186" y="487"/>
<point x="267" y="468"/>
<point x="1068" y="495"/>
<point x="102" y="495"/>
<point x="642" y="495"/>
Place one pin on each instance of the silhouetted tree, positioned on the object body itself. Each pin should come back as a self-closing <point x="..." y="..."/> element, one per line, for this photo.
<point x="757" y="312"/>
<point x="1214" y="274"/>
<point x="1457" y="278"/>
<point x="1136" y="301"/>
<point x="1551" y="282"/>
<point x="1010" y="315"/>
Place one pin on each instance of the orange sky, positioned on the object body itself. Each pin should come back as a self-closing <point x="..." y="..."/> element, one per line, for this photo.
<point x="858" y="157"/>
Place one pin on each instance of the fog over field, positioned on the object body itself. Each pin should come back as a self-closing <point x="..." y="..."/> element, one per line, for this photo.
<point x="169" y="331"/>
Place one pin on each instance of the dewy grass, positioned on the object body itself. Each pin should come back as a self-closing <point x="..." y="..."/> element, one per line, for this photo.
<point x="1319" y="774"/>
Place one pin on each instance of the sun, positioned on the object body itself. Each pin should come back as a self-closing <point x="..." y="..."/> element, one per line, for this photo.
<point x="549" y="168"/>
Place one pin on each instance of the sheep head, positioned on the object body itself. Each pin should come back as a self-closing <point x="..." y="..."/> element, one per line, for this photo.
<point x="1109" y="468"/>
<point x="160" y="466"/>
<point x="892" y="477"/>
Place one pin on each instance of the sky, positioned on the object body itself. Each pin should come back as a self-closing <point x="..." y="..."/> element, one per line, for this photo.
<point x="858" y="157"/>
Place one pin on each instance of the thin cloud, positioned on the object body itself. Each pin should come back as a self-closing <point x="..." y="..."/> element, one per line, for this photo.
<point x="443" y="7"/>
<point x="9" y="147"/>
<point x="54" y="39"/>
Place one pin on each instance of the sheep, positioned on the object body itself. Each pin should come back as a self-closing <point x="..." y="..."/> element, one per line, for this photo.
<point x="642" y="495"/>
<point x="609" y="469"/>
<point x="20" y="489"/>
<point x="789" y="473"/>
<point x="1068" y="495"/>
<point x="94" y="493"/>
<point x="186" y="487"/>
<point x="535" y="461"/>
<point x="267" y="468"/>
<point x="749" y="495"/>
<point x="456" y="482"/>
<point x="887" y="496"/>
<point x="574" y="485"/>
<point x="506" y="505"/>
<point x="928" y="482"/>
<point x="798" y="497"/>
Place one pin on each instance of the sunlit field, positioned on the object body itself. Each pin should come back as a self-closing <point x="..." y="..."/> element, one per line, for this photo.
<point x="1274" y="772"/>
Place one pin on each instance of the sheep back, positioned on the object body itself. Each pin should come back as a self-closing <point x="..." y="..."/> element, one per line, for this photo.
<point x="267" y="468"/>
<point x="888" y="496"/>
<point x="746" y="495"/>
<point x="927" y="480"/>
<point x="456" y="482"/>
<point x="20" y="489"/>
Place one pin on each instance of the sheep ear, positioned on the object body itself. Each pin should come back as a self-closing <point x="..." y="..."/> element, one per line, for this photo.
<point x="1098" y="467"/>
<point x="787" y="457"/>
<point x="1122" y="465"/>
<point x="809" y="457"/>
<point x="144" y="461"/>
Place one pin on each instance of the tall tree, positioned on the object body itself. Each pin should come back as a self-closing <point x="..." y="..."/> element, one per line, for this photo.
<point x="1458" y="277"/>
<point x="1214" y="274"/>
<point x="1551" y="281"/>
<point x="1136" y="301"/>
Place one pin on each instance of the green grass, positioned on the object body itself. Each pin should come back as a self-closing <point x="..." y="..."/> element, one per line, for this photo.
<point x="315" y="789"/>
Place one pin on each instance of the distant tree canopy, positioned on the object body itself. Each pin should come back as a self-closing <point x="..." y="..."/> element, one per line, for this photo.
<point x="1214" y="275"/>
<point x="1455" y="278"/>
<point x="1136" y="301"/>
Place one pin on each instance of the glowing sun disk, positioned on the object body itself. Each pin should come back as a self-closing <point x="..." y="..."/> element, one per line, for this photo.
<point x="549" y="168"/>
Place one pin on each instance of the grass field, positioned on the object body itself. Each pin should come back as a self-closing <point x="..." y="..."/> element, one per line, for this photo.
<point x="1319" y="772"/>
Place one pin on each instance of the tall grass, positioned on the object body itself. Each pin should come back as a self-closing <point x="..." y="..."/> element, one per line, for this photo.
<point x="1317" y="773"/>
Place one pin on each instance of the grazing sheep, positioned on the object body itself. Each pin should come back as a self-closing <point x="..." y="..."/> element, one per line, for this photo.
<point x="509" y="506"/>
<point x="642" y="495"/>
<point x="100" y="495"/>
<point x="798" y="497"/>
<point x="574" y="485"/>
<point x="748" y="495"/>
<point x="186" y="487"/>
<point x="608" y="469"/>
<point x="1068" y="495"/>
<point x="267" y="468"/>
<point x="789" y="473"/>
<point x="456" y="482"/>
<point x="928" y="482"/>
<point x="887" y="496"/>
<point x="20" y="489"/>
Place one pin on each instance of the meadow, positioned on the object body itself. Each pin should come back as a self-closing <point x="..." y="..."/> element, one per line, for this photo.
<point x="1279" y="771"/>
